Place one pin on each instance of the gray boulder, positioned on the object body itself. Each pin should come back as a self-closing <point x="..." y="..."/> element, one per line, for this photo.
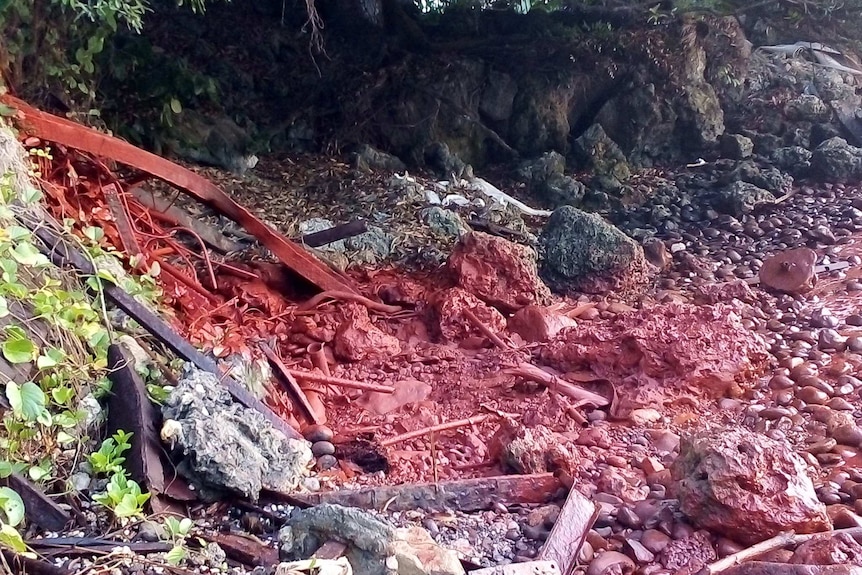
<point x="836" y="160"/>
<point x="736" y="146"/>
<point x="444" y="222"/>
<point x="228" y="447"/>
<point x="741" y="197"/>
<point x="548" y="180"/>
<point x="368" y="159"/>
<point x="795" y="160"/>
<point x="596" y="152"/>
<point x="807" y="108"/>
<point x="581" y="252"/>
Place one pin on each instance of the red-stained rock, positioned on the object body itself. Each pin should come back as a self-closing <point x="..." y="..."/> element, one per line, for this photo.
<point x="746" y="486"/>
<point x="454" y="325"/>
<point x="538" y="324"/>
<point x="531" y="449"/>
<point x="688" y="555"/>
<point x="357" y="338"/>
<point x="703" y="349"/>
<point x="499" y="272"/>
<point x="711" y="293"/>
<point x="840" y="549"/>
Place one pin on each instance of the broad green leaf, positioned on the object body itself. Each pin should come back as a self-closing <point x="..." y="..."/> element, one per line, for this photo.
<point x="176" y="555"/>
<point x="94" y="234"/>
<point x="51" y="358"/>
<point x="17" y="233"/>
<point x="176" y="106"/>
<point x="4" y="307"/>
<point x="62" y="395"/>
<point x="11" y="506"/>
<point x="38" y="473"/>
<point x="31" y="195"/>
<point x="64" y="438"/>
<point x="27" y="400"/>
<point x="107" y="276"/>
<point x="11" y="539"/>
<point x="127" y="507"/>
<point x="45" y="418"/>
<point x="26" y="254"/>
<point x="19" y="350"/>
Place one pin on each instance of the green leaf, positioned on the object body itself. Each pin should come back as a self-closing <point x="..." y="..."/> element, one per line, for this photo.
<point x="27" y="400"/>
<point x="176" y="106"/>
<point x="19" y="350"/>
<point x="31" y="195"/>
<point x="176" y="555"/>
<point x="62" y="395"/>
<point x="107" y="276"/>
<point x="51" y="358"/>
<point x="45" y="418"/>
<point x="26" y="254"/>
<point x="11" y="539"/>
<point x="11" y="506"/>
<point x="17" y="233"/>
<point x="128" y="506"/>
<point x="4" y="307"/>
<point x="38" y="474"/>
<point x="94" y="234"/>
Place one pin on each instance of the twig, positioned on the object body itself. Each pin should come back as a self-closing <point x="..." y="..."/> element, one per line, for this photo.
<point x="475" y="420"/>
<point x="348" y="296"/>
<point x="339" y="381"/>
<point x="778" y="542"/>
<point x="533" y="373"/>
<point x="576" y="312"/>
<point x="292" y="386"/>
<point x="486" y="331"/>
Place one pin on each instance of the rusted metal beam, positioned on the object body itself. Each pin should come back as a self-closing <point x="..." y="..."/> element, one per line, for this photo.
<point x="465" y="495"/>
<point x="54" y="129"/>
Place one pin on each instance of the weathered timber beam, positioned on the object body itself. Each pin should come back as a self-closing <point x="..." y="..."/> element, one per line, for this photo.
<point x="465" y="495"/>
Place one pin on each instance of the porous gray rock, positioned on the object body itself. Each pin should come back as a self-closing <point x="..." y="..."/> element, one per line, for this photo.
<point x="741" y="197"/>
<point x="794" y="160"/>
<point x="746" y="486"/>
<point x="444" y="222"/>
<point x="837" y="161"/>
<point x="368" y="158"/>
<point x="581" y="252"/>
<point x="736" y="146"/>
<point x="596" y="152"/>
<point x="807" y="108"/>
<point x="548" y="180"/>
<point x="228" y="447"/>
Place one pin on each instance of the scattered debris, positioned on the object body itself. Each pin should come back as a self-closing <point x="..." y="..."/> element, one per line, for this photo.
<point x="791" y="271"/>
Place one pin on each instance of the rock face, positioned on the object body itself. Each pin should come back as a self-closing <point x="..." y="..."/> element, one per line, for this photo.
<point x="746" y="486"/>
<point x="836" y="160"/>
<point x="706" y="349"/>
<point x="226" y="446"/>
<point x="357" y="338"/>
<point x="499" y="272"/>
<point x="582" y="252"/>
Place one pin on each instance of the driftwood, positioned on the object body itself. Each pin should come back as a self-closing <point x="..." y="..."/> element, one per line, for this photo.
<point x="89" y="546"/>
<point x="68" y="133"/>
<point x="475" y="420"/>
<point x="554" y="383"/>
<point x="39" y="508"/>
<point x="570" y="531"/>
<point x="243" y="549"/>
<point x="62" y="255"/>
<point x="465" y="495"/>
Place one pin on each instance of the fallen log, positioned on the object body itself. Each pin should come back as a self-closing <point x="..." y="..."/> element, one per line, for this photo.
<point x="63" y="255"/>
<point x="480" y="494"/>
<point x="569" y="532"/>
<point x="39" y="508"/>
<point x="54" y="129"/>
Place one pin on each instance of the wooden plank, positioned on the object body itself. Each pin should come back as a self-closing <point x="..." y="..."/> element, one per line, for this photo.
<point x="39" y="508"/>
<point x="54" y="129"/>
<point x="130" y="409"/>
<point x="465" y="495"/>
<point x="569" y="532"/>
